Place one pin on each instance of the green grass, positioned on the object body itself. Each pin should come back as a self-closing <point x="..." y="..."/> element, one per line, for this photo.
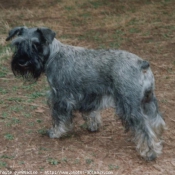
<point x="43" y="149"/>
<point x="9" y="136"/>
<point x="39" y="121"/>
<point x="4" y="55"/>
<point x="16" y="108"/>
<point x="21" y="162"/>
<point x="14" y="99"/>
<point x="27" y="115"/>
<point x="3" y="164"/>
<point x="3" y="72"/>
<point x="3" y="91"/>
<point x="15" y="121"/>
<point x="35" y="95"/>
<point x="64" y="160"/>
<point x="10" y="121"/>
<point x="77" y="161"/>
<point x="31" y="124"/>
<point x="53" y="161"/>
<point x="42" y="131"/>
<point x="89" y="161"/>
<point x="4" y="115"/>
<point x="7" y="157"/>
<point x="113" y="167"/>
<point x="69" y="8"/>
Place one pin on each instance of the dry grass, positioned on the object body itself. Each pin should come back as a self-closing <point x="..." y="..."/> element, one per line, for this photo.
<point x="143" y="27"/>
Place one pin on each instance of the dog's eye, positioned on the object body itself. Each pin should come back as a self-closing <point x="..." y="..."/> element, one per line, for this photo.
<point x="37" y="47"/>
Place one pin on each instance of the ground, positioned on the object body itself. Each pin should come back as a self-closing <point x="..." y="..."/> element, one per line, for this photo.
<point x="143" y="27"/>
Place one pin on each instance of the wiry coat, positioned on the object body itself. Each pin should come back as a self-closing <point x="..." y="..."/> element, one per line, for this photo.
<point x="88" y="80"/>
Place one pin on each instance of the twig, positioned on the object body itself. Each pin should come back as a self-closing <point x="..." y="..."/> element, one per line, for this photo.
<point x="33" y="104"/>
<point x="171" y="119"/>
<point x="7" y="78"/>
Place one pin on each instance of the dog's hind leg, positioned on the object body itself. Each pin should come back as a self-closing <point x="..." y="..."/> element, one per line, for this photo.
<point x="93" y="120"/>
<point x="150" y="109"/>
<point x="137" y="107"/>
<point x="145" y="124"/>
<point x="149" y="141"/>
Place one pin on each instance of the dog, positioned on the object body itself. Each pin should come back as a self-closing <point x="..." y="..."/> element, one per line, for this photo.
<point x="88" y="80"/>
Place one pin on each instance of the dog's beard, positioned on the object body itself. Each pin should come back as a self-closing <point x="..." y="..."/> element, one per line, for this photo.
<point x="31" y="69"/>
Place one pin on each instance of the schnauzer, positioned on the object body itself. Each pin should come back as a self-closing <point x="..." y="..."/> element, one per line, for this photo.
<point x="87" y="81"/>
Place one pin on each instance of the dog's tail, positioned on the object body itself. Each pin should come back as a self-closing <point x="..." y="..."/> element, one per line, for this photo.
<point x="145" y="64"/>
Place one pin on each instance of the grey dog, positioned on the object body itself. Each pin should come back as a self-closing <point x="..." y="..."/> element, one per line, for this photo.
<point x="87" y="81"/>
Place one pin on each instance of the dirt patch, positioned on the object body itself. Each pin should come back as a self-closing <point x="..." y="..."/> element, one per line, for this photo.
<point x="12" y="4"/>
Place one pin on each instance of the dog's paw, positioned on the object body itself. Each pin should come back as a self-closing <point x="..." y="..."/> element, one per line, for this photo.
<point x="52" y="134"/>
<point x="93" y="127"/>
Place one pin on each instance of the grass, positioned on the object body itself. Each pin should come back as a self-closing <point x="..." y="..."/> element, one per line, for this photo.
<point x="35" y="95"/>
<point x="143" y="27"/>
<point x="4" y="115"/>
<point x="89" y="161"/>
<point x="3" y="164"/>
<point x="3" y="91"/>
<point x="3" y="72"/>
<point x="53" y="161"/>
<point x="9" y="136"/>
<point x="113" y="167"/>
<point x="42" y="131"/>
<point x="6" y="157"/>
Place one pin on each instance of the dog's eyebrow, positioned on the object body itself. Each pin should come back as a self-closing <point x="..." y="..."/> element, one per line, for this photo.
<point x="36" y="40"/>
<point x="17" y="40"/>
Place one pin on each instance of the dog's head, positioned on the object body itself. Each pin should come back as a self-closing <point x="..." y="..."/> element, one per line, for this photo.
<point x="31" y="50"/>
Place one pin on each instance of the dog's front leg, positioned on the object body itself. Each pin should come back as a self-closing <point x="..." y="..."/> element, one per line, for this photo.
<point x="62" y="121"/>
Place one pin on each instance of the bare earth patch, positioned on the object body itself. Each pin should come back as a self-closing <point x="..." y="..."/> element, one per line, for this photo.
<point x="146" y="28"/>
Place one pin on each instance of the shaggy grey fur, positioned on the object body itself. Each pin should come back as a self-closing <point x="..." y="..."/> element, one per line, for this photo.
<point x="88" y="80"/>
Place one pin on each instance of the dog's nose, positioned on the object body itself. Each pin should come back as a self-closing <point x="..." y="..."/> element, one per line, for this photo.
<point x="21" y="61"/>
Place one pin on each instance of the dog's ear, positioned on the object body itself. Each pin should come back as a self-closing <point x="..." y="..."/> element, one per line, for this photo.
<point x="47" y="34"/>
<point x="14" y="31"/>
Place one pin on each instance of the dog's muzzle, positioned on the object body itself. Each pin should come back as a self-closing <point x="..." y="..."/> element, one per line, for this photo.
<point x="23" y="63"/>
